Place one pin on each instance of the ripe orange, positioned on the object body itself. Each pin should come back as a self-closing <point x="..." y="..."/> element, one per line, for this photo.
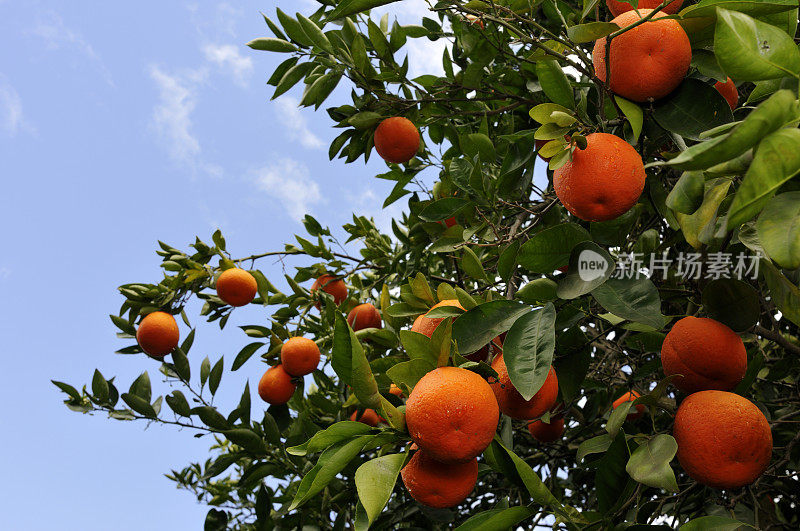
<point x="729" y="92"/>
<point x="547" y="433"/>
<point x="276" y="386"/>
<point x="707" y="354"/>
<point x="449" y="222"/>
<point x="437" y="484"/>
<point x="158" y="334"/>
<point x="601" y="182"/>
<point x="637" y="411"/>
<point x="299" y="356"/>
<point x="236" y="287"/>
<point x="368" y="417"/>
<point x="364" y="316"/>
<point x="617" y="8"/>
<point x="647" y="62"/>
<point x="397" y="139"/>
<point x="331" y="285"/>
<point x="724" y="440"/>
<point x="396" y="391"/>
<point x="512" y="403"/>
<point x="452" y="414"/>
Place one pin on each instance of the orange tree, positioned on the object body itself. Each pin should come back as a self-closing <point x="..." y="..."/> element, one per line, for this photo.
<point x="538" y="312"/>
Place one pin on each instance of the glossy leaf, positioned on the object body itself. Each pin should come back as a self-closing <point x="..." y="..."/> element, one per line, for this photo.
<point x="375" y="481"/>
<point x="649" y="463"/>
<point x="528" y="350"/>
<point x="779" y="229"/>
<point x="478" y="326"/>
<point x="550" y="248"/>
<point x="732" y="302"/>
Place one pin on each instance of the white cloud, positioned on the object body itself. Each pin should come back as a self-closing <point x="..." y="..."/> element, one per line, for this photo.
<point x="294" y="121"/>
<point x="11" y="117"/>
<point x="288" y="181"/>
<point x="227" y="57"/>
<point x="172" y="117"/>
<point x="50" y="28"/>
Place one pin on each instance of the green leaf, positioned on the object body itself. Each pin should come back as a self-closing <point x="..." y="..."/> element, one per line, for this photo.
<point x="503" y="518"/>
<point x="291" y="77"/>
<point x="245" y="354"/>
<point x="554" y="83"/>
<point x="478" y="326"/>
<point x="769" y="116"/>
<point x="528" y="350"/>
<point x="783" y="293"/>
<point x="713" y="523"/>
<point x="123" y="325"/>
<point x="750" y="50"/>
<point x="779" y="230"/>
<point x="141" y="387"/>
<point x="333" y="434"/>
<point x="247" y="439"/>
<point x="611" y="481"/>
<point x="351" y="7"/>
<point x="595" y="445"/>
<point x="633" y="299"/>
<point x="776" y="161"/>
<point x="211" y="417"/>
<point x="692" y="108"/>
<point x="99" y="386"/>
<point x="406" y="374"/>
<point x="351" y="365"/>
<point x="591" y="31"/>
<point x="268" y="44"/>
<point x="533" y="483"/>
<point x="71" y="391"/>
<point x="375" y="481"/>
<point x="215" y="376"/>
<point x="471" y="264"/>
<point x="589" y="266"/>
<point x="698" y="226"/>
<point x="330" y="463"/>
<point x="732" y="302"/>
<point x="649" y="463"/>
<point x="538" y="290"/>
<point x="507" y="261"/>
<point x="314" y="33"/>
<point x="543" y="113"/>
<point x="419" y="346"/>
<point x="178" y="403"/>
<point x="617" y="418"/>
<point x="549" y="249"/>
<point x="139" y="405"/>
<point x="687" y="195"/>
<point x="634" y="114"/>
<point x="443" y="208"/>
<point x="205" y="369"/>
<point x="181" y="364"/>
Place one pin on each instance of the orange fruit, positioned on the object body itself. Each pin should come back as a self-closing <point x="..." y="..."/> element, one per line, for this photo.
<point x="449" y="222"/>
<point x="512" y="403"/>
<point x="601" y="182"/>
<point x="475" y="21"/>
<point x="706" y="353"/>
<point x="637" y="411"/>
<point x="547" y="433"/>
<point x="364" y="316"/>
<point x="276" y="386"/>
<point x="729" y="92"/>
<point x="158" y="334"/>
<point x="299" y="356"/>
<point x="452" y="414"/>
<point x="236" y="287"/>
<point x="438" y="484"/>
<point x="368" y="417"/>
<point x="617" y="8"/>
<point x="331" y="285"/>
<point x="396" y="391"/>
<point x="724" y="440"/>
<point x="647" y="62"/>
<point x="397" y="139"/>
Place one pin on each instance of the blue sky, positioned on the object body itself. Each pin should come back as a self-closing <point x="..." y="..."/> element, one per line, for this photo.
<point x="120" y="126"/>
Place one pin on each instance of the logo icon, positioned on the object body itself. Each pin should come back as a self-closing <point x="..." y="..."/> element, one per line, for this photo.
<point x="591" y="265"/>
